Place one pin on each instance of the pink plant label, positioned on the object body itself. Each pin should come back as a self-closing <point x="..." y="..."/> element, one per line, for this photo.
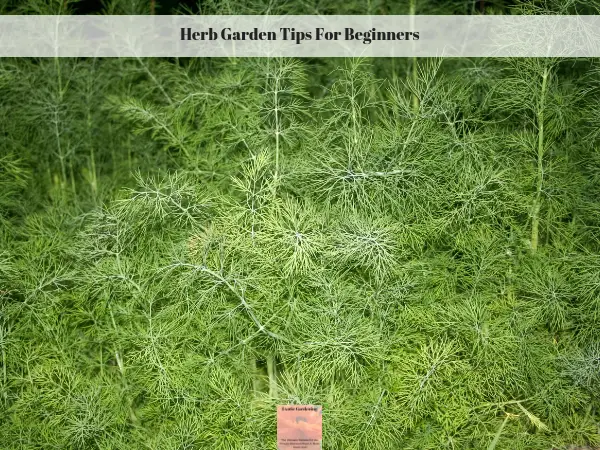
<point x="299" y="427"/>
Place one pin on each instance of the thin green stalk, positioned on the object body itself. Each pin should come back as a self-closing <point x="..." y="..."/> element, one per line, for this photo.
<point x="355" y="113"/>
<point x="113" y="156"/>
<point x="414" y="67"/>
<point x="94" y="177"/>
<point x="272" y="372"/>
<point x="494" y="443"/>
<point x="155" y="80"/>
<point x="72" y="173"/>
<point x="276" y="130"/>
<point x="129" y="164"/>
<point x="93" y="174"/>
<point x="331" y="389"/>
<point x="4" y="375"/>
<point x="535" y="223"/>
<point x="134" y="419"/>
<point x="254" y="374"/>
<point x="61" y="155"/>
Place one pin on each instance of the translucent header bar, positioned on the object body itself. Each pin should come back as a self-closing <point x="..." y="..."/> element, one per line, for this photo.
<point x="299" y="36"/>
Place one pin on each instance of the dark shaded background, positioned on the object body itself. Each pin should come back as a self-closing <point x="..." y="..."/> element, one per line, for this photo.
<point x="167" y="7"/>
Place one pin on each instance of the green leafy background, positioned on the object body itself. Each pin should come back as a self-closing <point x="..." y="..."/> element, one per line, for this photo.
<point x="411" y="243"/>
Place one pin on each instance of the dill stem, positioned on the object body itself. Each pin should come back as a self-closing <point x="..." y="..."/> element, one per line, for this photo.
<point x="155" y="80"/>
<point x="93" y="175"/>
<point x="57" y="133"/>
<point x="535" y="223"/>
<point x="414" y="73"/>
<point x="494" y="442"/>
<point x="72" y="173"/>
<point x="4" y="375"/>
<point x="129" y="165"/>
<point x="272" y="372"/>
<point x="61" y="155"/>
<point x="276" y="129"/>
<point x="254" y="374"/>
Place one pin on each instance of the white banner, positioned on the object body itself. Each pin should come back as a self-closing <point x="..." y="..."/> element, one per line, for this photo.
<point x="299" y="36"/>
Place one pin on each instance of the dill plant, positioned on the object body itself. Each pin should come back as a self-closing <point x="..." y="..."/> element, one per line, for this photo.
<point x="188" y="243"/>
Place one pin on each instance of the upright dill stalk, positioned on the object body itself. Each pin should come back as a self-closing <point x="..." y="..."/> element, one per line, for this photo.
<point x="92" y="83"/>
<point x="541" y="150"/>
<point x="345" y="137"/>
<point x="545" y="115"/>
<point x="56" y="120"/>
<point x="284" y="89"/>
<point x="259" y="188"/>
<point x="414" y="68"/>
<point x="47" y="109"/>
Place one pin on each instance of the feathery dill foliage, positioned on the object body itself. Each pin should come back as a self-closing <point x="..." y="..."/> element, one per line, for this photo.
<point x="187" y="243"/>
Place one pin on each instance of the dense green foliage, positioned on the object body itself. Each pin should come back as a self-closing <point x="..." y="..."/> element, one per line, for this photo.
<point x="187" y="243"/>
